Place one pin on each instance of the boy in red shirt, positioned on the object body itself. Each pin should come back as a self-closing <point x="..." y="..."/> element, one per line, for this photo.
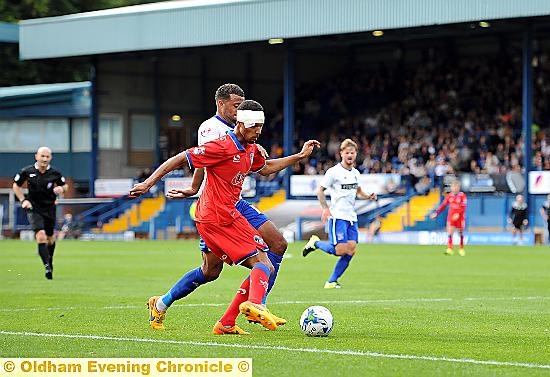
<point x="456" y="200"/>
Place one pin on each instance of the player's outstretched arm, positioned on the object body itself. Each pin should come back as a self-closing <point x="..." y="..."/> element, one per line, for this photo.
<point x="323" y="201"/>
<point x="440" y="208"/>
<point x="278" y="164"/>
<point x="198" y="177"/>
<point x="167" y="166"/>
<point x="363" y="195"/>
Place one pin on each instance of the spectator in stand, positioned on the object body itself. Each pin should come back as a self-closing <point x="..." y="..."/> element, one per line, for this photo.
<point x="374" y="228"/>
<point x="69" y="228"/>
<point x="434" y="111"/>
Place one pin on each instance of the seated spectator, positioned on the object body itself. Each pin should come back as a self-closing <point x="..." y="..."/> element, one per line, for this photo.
<point x="374" y="228"/>
<point x="69" y="229"/>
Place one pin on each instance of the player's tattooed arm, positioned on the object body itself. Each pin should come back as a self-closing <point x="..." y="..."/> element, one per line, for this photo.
<point x="363" y="195"/>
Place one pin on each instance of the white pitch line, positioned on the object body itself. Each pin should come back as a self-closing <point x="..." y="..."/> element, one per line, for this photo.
<point x="281" y="348"/>
<point x="359" y="302"/>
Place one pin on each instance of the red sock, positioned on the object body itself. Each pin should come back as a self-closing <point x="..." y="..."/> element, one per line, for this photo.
<point x="450" y="241"/>
<point x="232" y="312"/>
<point x="259" y="280"/>
<point x="461" y="241"/>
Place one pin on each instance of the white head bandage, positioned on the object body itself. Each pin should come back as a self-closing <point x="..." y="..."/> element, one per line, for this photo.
<point x="250" y="117"/>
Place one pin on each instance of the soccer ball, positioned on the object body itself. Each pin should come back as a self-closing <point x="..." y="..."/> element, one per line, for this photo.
<point x="316" y="321"/>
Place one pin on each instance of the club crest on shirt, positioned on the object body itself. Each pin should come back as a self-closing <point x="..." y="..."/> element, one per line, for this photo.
<point x="238" y="179"/>
<point x="198" y="150"/>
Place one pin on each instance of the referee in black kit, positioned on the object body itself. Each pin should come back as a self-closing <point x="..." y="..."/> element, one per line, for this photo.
<point x="45" y="184"/>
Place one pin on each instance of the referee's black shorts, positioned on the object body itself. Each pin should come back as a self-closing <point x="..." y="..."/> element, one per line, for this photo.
<point x="42" y="219"/>
<point x="518" y="225"/>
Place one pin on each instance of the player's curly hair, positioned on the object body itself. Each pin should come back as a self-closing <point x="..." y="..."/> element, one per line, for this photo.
<point x="225" y="91"/>
<point x="250" y="105"/>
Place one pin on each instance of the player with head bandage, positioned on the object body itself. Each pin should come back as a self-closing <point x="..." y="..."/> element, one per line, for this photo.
<point x="224" y="228"/>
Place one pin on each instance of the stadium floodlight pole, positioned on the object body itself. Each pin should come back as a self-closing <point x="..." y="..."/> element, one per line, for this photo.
<point x="288" y="111"/>
<point x="527" y="114"/>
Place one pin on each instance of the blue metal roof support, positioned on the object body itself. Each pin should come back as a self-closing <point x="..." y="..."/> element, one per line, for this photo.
<point x="205" y="96"/>
<point x="527" y="112"/>
<point x="288" y="112"/>
<point x="156" y="93"/>
<point x="94" y="123"/>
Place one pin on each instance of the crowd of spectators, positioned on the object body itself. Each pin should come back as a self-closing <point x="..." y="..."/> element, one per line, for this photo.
<point x="445" y="115"/>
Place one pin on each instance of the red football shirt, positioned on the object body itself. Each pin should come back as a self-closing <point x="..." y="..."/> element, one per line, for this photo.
<point x="228" y="163"/>
<point x="457" y="204"/>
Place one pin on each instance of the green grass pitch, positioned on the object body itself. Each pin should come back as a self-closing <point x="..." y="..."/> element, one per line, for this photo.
<point x="403" y="310"/>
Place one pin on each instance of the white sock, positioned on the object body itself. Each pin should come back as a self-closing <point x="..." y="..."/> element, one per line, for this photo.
<point x="160" y="305"/>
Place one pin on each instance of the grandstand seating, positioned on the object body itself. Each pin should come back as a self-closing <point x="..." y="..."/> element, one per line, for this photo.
<point x="409" y="212"/>
<point x="134" y="215"/>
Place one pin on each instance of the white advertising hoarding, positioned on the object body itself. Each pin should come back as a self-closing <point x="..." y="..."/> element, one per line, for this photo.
<point x="112" y="188"/>
<point x="306" y="185"/>
<point x="539" y="182"/>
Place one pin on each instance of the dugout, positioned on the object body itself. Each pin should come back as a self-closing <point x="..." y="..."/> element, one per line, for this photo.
<point x="154" y="67"/>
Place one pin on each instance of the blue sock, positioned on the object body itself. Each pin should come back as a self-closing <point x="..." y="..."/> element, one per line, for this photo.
<point x="187" y="284"/>
<point x="340" y="267"/>
<point x="326" y="246"/>
<point x="276" y="262"/>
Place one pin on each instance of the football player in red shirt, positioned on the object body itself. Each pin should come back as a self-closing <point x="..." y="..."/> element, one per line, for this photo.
<point x="456" y="200"/>
<point x="224" y="229"/>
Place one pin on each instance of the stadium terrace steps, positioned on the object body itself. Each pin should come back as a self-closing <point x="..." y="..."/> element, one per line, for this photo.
<point x="268" y="202"/>
<point x="418" y="208"/>
<point x="135" y="215"/>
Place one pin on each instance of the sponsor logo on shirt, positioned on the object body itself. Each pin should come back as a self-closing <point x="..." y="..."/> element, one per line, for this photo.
<point x="237" y="158"/>
<point x="198" y="150"/>
<point x="206" y="131"/>
<point x="32" y="175"/>
<point x="349" y="186"/>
